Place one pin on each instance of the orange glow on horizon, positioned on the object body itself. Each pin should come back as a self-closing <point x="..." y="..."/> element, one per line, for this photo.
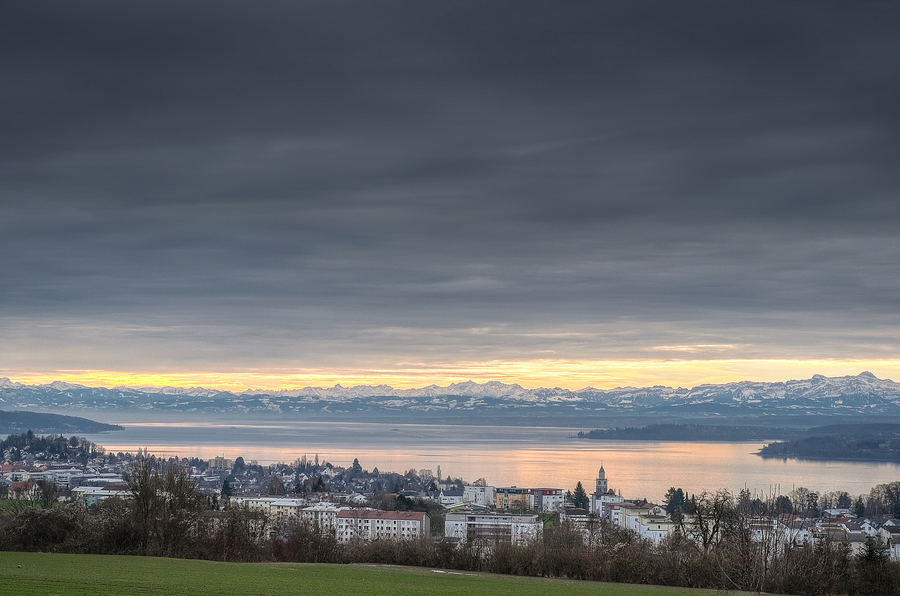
<point x="568" y="374"/>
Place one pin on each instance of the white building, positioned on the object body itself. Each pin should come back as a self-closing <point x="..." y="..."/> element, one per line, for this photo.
<point x="493" y="527"/>
<point x="322" y="515"/>
<point x="91" y="495"/>
<point x="549" y="500"/>
<point x="890" y="536"/>
<point x="649" y="521"/>
<point x="284" y="509"/>
<point x="263" y="504"/>
<point x="655" y="528"/>
<point x="371" y="524"/>
<point x="450" y="497"/>
<point x="601" y="505"/>
<point x="479" y="495"/>
<point x="589" y="525"/>
<point x="631" y="517"/>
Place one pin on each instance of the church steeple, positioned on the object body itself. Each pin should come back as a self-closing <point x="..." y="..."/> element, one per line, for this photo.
<point x="602" y="483"/>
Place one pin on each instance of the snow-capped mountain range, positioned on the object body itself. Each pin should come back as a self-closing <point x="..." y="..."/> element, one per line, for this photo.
<point x="851" y="395"/>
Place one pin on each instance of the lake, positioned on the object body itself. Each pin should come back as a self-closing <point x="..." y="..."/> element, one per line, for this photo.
<point x="505" y="455"/>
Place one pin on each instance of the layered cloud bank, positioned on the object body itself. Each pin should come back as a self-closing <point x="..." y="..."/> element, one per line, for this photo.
<point x="287" y="185"/>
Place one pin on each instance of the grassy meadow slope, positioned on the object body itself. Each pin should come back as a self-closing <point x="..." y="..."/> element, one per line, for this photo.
<point x="39" y="574"/>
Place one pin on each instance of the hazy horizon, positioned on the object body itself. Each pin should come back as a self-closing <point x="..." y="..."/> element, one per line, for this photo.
<point x="404" y="388"/>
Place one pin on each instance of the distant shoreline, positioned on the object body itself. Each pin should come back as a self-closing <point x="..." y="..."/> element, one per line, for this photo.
<point x="688" y="433"/>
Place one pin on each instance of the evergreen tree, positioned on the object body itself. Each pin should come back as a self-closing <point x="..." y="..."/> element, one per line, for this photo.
<point x="875" y="552"/>
<point x="783" y="505"/>
<point x="673" y="502"/>
<point x="579" y="497"/>
<point x="859" y="508"/>
<point x="844" y="501"/>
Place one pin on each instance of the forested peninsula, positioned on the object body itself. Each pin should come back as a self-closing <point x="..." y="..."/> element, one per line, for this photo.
<point x="688" y="432"/>
<point x="880" y="442"/>
<point x="40" y="422"/>
<point x="840" y="442"/>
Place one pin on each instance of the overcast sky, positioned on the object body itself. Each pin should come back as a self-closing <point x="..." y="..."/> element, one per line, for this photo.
<point x="542" y="192"/>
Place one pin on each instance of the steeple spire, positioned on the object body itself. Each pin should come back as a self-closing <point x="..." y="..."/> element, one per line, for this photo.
<point x="602" y="483"/>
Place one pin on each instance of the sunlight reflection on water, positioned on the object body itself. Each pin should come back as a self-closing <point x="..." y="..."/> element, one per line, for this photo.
<point x="504" y="455"/>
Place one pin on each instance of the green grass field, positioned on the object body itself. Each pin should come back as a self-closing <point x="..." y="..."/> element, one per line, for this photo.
<point x="38" y="574"/>
<point x="13" y="506"/>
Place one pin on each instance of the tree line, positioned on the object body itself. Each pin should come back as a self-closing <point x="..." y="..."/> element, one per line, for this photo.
<point x="883" y="499"/>
<point x="51" y="447"/>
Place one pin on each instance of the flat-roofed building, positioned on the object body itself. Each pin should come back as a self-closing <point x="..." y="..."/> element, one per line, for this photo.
<point x="529" y="499"/>
<point x="513" y="528"/>
<point x="284" y="509"/>
<point x="512" y="497"/>
<point x="321" y="515"/>
<point x="547" y="499"/>
<point x="372" y="524"/>
<point x="479" y="495"/>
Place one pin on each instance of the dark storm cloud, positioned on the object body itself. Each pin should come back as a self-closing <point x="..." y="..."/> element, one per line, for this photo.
<point x="327" y="179"/>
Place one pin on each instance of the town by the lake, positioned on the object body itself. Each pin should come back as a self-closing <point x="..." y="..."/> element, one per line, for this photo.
<point x="355" y="504"/>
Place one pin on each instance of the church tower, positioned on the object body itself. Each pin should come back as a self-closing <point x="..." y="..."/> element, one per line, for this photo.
<point x="602" y="483"/>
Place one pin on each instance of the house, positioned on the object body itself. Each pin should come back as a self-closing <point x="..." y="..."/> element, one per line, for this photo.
<point x="450" y="497"/>
<point x="372" y="524"/>
<point x="627" y="513"/>
<point x="868" y="526"/>
<point x="648" y="521"/>
<point x="23" y="489"/>
<point x="795" y="530"/>
<point x="655" y="528"/>
<point x="354" y="498"/>
<point x="601" y="504"/>
<point x="763" y="530"/>
<point x="91" y="495"/>
<point x="835" y="513"/>
<point x="890" y="535"/>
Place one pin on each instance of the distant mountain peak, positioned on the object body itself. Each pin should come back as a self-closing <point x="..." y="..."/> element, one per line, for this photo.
<point x="63" y="386"/>
<point x="848" y="395"/>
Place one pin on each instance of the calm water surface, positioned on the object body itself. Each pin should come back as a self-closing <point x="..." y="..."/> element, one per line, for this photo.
<point x="505" y="456"/>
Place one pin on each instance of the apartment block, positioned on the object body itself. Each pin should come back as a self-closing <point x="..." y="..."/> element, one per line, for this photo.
<point x="493" y="527"/>
<point x="371" y="524"/>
